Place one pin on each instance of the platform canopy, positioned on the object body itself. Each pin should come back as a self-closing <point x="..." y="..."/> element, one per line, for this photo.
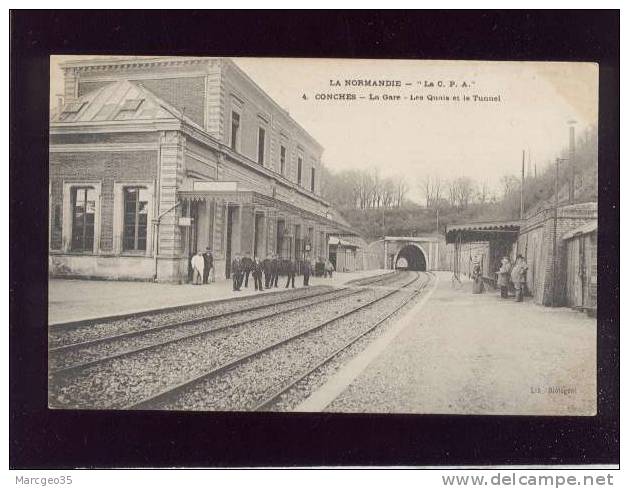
<point x="334" y="241"/>
<point x="237" y="197"/>
<point x="482" y="231"/>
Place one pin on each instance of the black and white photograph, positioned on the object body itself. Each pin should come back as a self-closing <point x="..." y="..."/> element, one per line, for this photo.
<point x="280" y="239"/>
<point x="323" y="235"/>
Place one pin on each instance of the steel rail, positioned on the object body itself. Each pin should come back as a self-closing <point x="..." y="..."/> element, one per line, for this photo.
<point x="287" y="386"/>
<point x="69" y="325"/>
<point x="208" y="317"/>
<point x="165" y="394"/>
<point x="66" y="370"/>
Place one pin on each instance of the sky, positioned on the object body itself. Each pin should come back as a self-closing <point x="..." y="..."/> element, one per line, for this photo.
<point x="415" y="138"/>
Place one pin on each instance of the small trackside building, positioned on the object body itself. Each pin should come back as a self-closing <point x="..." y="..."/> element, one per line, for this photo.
<point x="153" y="159"/>
<point x="558" y="243"/>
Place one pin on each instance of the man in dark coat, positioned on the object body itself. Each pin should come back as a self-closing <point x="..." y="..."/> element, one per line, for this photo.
<point x="275" y="271"/>
<point x="247" y="265"/>
<point x="290" y="272"/>
<point x="307" y="270"/>
<point x="256" y="272"/>
<point x="236" y="271"/>
<point x="208" y="263"/>
<point x="266" y="266"/>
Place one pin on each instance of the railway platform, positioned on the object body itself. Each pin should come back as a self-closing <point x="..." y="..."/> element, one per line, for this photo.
<point x="77" y="300"/>
<point x="460" y="353"/>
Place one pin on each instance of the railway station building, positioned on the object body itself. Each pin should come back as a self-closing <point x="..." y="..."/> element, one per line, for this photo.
<point x="559" y="245"/>
<point x="154" y="159"/>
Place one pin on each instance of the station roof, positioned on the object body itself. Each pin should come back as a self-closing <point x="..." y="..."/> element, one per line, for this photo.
<point x="120" y="101"/>
<point x="482" y="231"/>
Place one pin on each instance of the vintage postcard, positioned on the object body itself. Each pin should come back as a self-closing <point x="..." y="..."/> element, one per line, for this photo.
<point x="323" y="235"/>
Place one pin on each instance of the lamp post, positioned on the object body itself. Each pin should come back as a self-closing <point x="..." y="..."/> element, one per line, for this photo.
<point x="571" y="151"/>
<point x="522" y="189"/>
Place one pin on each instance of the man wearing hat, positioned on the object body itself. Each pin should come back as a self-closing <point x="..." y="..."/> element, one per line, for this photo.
<point x="208" y="269"/>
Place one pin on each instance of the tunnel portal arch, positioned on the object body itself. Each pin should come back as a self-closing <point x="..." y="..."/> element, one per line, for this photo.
<point x="413" y="255"/>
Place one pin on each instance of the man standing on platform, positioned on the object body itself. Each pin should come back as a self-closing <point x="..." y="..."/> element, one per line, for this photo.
<point x="290" y="272"/>
<point x="256" y="272"/>
<point x="266" y="266"/>
<point x="197" y="268"/>
<point x="236" y="271"/>
<point x="247" y="265"/>
<point x="307" y="269"/>
<point x="275" y="271"/>
<point x="518" y="277"/>
<point x="503" y="276"/>
<point x="208" y="264"/>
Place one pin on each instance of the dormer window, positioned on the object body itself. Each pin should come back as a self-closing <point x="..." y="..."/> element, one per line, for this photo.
<point x="128" y="108"/>
<point x="72" y="107"/>
<point x="132" y="104"/>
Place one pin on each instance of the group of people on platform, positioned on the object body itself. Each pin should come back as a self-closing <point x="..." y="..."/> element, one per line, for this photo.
<point x="510" y="275"/>
<point x="242" y="268"/>
<point x="202" y="265"/>
<point x="271" y="268"/>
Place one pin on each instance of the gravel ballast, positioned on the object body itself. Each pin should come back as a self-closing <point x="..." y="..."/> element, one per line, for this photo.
<point x="246" y="385"/>
<point x="122" y="381"/>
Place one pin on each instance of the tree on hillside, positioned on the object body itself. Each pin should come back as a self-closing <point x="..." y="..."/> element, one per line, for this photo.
<point x="401" y="188"/>
<point x="430" y="187"/>
<point x="483" y="194"/>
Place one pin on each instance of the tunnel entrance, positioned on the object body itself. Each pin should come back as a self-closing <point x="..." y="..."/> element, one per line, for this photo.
<point x="411" y="257"/>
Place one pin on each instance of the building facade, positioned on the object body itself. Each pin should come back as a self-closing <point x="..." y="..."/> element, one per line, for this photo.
<point x="540" y="242"/>
<point x="154" y="159"/>
<point x="561" y="259"/>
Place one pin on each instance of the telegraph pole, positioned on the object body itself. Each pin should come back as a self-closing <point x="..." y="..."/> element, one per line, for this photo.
<point x="522" y="188"/>
<point x="572" y="154"/>
<point x="437" y="218"/>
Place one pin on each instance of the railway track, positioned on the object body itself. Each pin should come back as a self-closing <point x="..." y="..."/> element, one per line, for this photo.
<point x="106" y="382"/>
<point x="86" y="331"/>
<point x="70" y="358"/>
<point x="276" y="395"/>
<point x="211" y="389"/>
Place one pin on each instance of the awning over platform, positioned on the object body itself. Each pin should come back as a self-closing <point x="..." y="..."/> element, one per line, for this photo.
<point x="482" y="231"/>
<point x="334" y="241"/>
<point x="239" y="197"/>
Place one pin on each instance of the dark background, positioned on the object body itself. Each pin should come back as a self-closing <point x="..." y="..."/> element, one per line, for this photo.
<point x="41" y="438"/>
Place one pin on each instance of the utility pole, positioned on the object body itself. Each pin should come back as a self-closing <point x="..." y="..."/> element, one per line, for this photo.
<point x="437" y="218"/>
<point x="522" y="188"/>
<point x="383" y="224"/>
<point x="572" y="154"/>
